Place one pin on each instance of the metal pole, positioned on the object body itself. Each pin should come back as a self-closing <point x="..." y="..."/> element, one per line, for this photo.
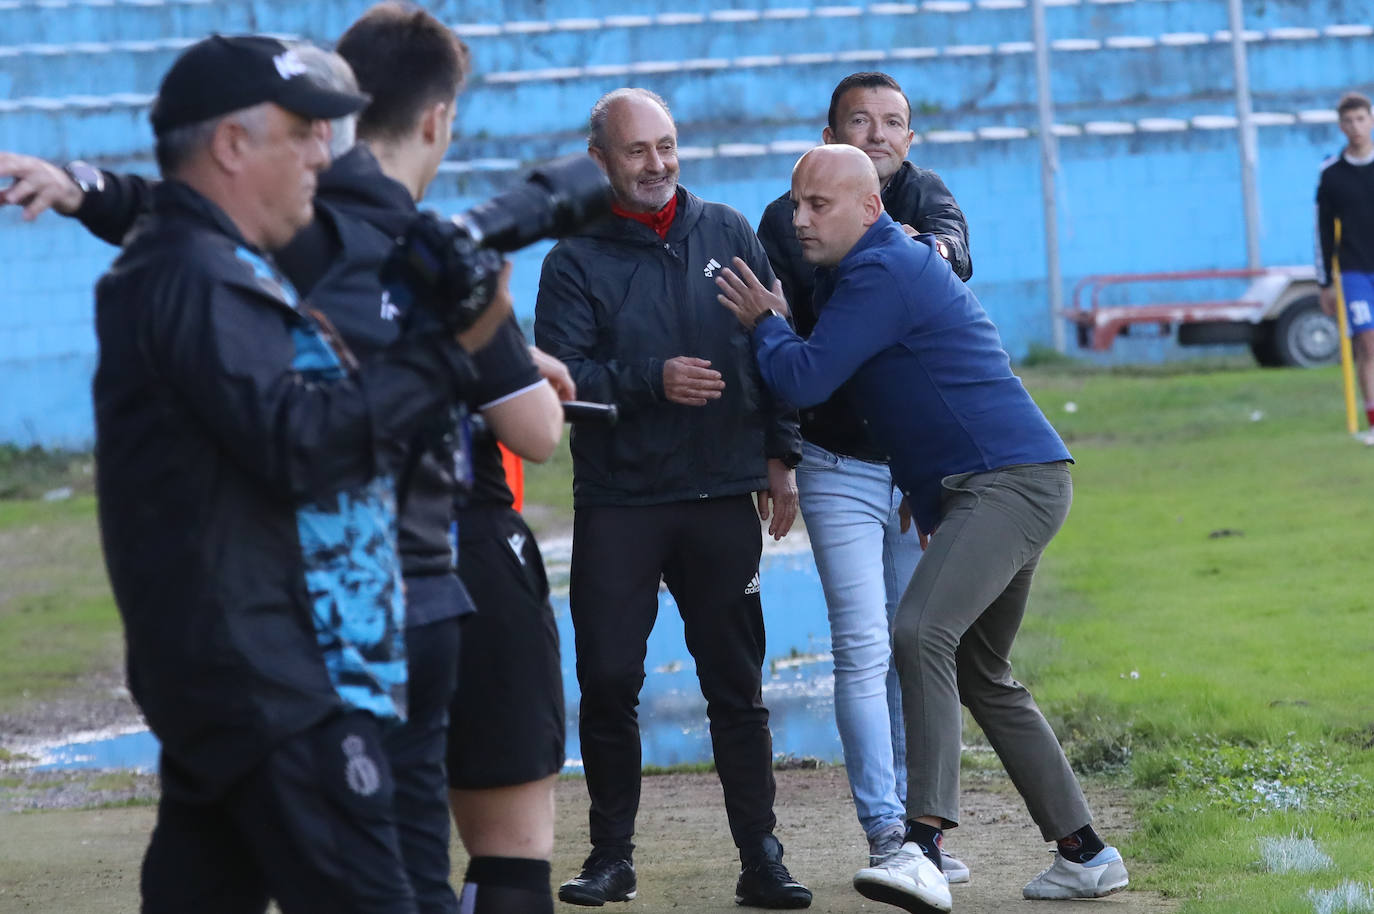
<point x="1245" y="125"/>
<point x="1049" y="167"/>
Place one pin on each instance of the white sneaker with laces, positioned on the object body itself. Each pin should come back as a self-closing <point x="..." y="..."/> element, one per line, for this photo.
<point x="1365" y="437"/>
<point x="908" y="880"/>
<point x="1101" y="876"/>
<point x="890" y="840"/>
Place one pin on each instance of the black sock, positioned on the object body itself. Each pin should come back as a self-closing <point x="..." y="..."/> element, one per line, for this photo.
<point x="1081" y="846"/>
<point x="506" y="885"/>
<point x="929" y="838"/>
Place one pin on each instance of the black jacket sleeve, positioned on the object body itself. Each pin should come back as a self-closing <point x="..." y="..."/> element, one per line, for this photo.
<point x="109" y="214"/>
<point x="565" y="326"/>
<point x="939" y="215"/>
<point x="1326" y="232"/>
<point x="229" y="351"/>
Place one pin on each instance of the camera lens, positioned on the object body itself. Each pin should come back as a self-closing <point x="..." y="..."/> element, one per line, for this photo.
<point x="557" y="198"/>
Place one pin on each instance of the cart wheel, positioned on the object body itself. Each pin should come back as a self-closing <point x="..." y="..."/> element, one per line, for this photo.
<point x="1304" y="336"/>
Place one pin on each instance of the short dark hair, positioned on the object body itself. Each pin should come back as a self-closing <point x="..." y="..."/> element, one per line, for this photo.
<point x="406" y="60"/>
<point x="867" y="80"/>
<point x="1352" y="101"/>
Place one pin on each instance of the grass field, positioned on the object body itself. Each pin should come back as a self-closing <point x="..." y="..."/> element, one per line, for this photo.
<point x="1201" y="632"/>
<point x="57" y="619"/>
<point x="1204" y="619"/>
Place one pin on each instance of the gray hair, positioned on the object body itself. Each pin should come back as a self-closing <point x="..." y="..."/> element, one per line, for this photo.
<point x="333" y="72"/>
<point x="179" y="145"/>
<point x="596" y="137"/>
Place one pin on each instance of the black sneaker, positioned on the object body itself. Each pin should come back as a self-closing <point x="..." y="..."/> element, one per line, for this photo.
<point x="602" y="879"/>
<point x="765" y="883"/>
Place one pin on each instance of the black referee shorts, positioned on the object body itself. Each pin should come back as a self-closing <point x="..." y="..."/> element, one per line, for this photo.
<point x="506" y="723"/>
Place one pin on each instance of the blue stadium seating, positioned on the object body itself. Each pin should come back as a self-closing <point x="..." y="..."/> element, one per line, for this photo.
<point x="1149" y="166"/>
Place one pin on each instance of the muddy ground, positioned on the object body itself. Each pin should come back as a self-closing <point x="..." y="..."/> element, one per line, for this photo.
<point x="64" y="861"/>
<point x="58" y="855"/>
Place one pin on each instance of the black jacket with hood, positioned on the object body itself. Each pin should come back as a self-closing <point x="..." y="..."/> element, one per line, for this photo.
<point x="244" y="527"/>
<point x="360" y="212"/>
<point x="915" y="196"/>
<point x="615" y="303"/>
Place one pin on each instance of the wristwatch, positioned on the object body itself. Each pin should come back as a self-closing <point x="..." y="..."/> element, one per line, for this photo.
<point x="771" y="312"/>
<point x="85" y="176"/>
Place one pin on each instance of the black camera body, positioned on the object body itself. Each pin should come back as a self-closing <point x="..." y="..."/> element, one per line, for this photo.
<point x="446" y="269"/>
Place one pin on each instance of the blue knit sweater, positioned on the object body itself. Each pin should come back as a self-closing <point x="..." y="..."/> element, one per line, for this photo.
<point x="930" y="376"/>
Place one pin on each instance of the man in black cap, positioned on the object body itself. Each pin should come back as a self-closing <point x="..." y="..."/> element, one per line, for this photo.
<point x="247" y="506"/>
<point x="505" y="745"/>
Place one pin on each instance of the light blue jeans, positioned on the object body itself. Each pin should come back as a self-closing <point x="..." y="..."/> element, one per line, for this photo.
<point x="865" y="561"/>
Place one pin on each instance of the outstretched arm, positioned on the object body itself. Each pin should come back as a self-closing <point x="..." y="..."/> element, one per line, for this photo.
<point x="859" y="320"/>
<point x="107" y="211"/>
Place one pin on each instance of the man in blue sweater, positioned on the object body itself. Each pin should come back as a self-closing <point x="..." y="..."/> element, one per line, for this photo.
<point x="986" y="479"/>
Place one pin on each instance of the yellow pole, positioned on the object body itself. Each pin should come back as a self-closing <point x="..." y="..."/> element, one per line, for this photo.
<point x="1347" y="357"/>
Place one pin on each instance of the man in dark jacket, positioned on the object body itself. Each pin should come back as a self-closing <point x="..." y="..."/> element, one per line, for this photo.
<point x="986" y="479"/>
<point x="847" y="497"/>
<point x="629" y="306"/>
<point x="246" y="506"/>
<point x="505" y="745"/>
<point x="506" y="732"/>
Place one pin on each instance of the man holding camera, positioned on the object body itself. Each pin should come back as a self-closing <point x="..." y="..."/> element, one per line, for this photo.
<point x="986" y="480"/>
<point x="629" y="306"/>
<point x="505" y="743"/>
<point x="246" y="501"/>
<point x="506" y="729"/>
<point x="848" y="499"/>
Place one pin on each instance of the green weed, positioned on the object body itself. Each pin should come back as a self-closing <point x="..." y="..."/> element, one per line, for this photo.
<point x="32" y="472"/>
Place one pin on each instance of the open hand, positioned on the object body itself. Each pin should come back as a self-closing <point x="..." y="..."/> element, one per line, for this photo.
<point x="745" y="296"/>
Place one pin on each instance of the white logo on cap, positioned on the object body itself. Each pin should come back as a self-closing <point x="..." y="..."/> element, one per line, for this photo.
<point x="288" y="64"/>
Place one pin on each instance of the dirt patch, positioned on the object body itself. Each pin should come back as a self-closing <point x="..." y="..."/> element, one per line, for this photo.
<point x="686" y="861"/>
<point x="64" y="861"/>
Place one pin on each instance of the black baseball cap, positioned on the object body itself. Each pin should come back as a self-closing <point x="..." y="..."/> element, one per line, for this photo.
<point x="226" y="73"/>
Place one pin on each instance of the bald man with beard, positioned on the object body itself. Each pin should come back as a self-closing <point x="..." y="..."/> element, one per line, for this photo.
<point x="984" y="476"/>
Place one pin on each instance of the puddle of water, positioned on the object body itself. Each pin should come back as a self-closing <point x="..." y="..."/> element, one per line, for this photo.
<point x="798" y="685"/>
<point x="136" y="750"/>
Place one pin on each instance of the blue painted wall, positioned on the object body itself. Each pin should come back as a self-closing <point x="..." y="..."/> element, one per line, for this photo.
<point x="75" y="82"/>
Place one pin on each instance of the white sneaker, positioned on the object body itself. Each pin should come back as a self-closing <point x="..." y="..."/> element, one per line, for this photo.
<point x="1099" y="877"/>
<point x="908" y="880"/>
<point x="1366" y="437"/>
<point x="890" y="840"/>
